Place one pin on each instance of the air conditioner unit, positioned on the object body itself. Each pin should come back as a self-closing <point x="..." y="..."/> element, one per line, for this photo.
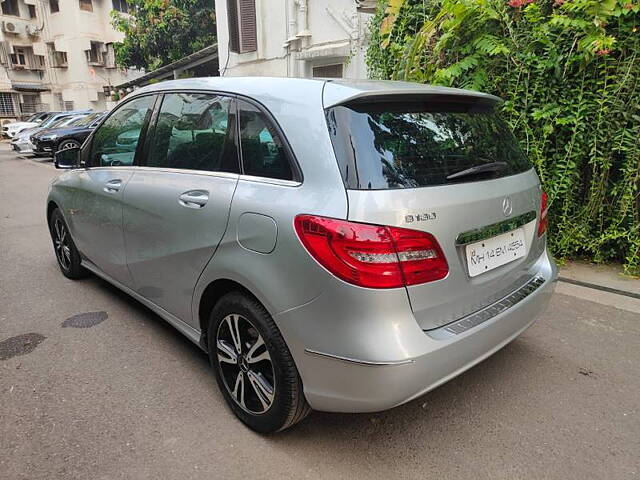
<point x="10" y="27"/>
<point x="32" y="30"/>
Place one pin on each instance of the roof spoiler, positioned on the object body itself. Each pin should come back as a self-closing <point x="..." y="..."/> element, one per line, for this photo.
<point x="338" y="94"/>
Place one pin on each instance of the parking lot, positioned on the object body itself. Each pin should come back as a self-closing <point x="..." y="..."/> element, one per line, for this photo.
<point x="121" y="394"/>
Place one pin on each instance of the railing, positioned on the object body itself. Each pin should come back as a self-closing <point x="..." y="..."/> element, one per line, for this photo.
<point x="27" y="108"/>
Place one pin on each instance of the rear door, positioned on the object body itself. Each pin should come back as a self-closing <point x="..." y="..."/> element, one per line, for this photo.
<point x="451" y="167"/>
<point x="176" y="205"/>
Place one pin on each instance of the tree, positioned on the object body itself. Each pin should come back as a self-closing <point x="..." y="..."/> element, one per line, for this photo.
<point x="158" y="32"/>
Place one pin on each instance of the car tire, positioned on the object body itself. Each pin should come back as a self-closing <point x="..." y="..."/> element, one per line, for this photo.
<point x="67" y="254"/>
<point x="245" y="383"/>
<point x="66" y="144"/>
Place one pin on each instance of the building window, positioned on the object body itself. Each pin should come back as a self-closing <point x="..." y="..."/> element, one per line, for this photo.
<point x="110" y="56"/>
<point x="61" y="104"/>
<point x="18" y="58"/>
<point x="96" y="55"/>
<point x="241" y="15"/>
<point x="30" y="103"/>
<point x="54" y="6"/>
<point x="10" y="7"/>
<point x="57" y="59"/>
<point x="6" y="104"/>
<point x="32" y="11"/>
<point x="38" y="62"/>
<point x="59" y="101"/>
<point x="86" y="5"/>
<point x="328" y="71"/>
<point x="120" y="5"/>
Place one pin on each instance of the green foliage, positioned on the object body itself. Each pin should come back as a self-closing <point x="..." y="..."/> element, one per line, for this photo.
<point x="158" y="32"/>
<point x="569" y="74"/>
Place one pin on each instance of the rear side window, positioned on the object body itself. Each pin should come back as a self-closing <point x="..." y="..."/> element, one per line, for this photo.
<point x="195" y="131"/>
<point x="263" y="152"/>
<point x="389" y="145"/>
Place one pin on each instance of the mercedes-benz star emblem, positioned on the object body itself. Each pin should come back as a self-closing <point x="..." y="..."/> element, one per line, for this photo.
<point x="507" y="206"/>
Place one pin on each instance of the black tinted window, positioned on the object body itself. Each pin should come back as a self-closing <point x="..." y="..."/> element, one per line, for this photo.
<point x="404" y="145"/>
<point x="263" y="153"/>
<point x="115" y="142"/>
<point x="194" y="131"/>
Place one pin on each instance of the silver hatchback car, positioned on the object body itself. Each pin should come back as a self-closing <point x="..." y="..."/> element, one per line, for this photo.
<point x="333" y="245"/>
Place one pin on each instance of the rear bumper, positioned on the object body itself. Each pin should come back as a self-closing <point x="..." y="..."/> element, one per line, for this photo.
<point x="417" y="362"/>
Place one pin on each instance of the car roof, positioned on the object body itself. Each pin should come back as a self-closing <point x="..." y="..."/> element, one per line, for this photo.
<point x="333" y="91"/>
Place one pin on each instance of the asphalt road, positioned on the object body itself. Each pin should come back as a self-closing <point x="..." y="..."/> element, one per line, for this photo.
<point x="128" y="397"/>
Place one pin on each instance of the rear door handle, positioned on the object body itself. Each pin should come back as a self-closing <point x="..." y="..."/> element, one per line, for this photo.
<point x="113" y="186"/>
<point x="194" y="198"/>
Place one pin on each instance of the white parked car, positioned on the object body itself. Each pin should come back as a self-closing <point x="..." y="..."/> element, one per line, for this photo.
<point x="11" y="129"/>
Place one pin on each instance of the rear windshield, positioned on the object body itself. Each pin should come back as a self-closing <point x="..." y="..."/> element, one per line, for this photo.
<point x="388" y="145"/>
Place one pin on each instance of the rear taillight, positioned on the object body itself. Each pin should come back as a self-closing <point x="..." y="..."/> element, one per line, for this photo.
<point x="544" y="208"/>
<point x="373" y="256"/>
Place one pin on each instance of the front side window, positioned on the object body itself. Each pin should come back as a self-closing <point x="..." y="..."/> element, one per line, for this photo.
<point x="115" y="142"/>
<point x="263" y="152"/>
<point x="195" y="131"/>
<point x="388" y="145"/>
<point x="54" y="6"/>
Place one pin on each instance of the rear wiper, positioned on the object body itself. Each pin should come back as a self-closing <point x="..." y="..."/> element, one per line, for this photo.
<point x="485" y="167"/>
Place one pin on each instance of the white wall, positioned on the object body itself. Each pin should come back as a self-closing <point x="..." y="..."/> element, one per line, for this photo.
<point x="337" y="35"/>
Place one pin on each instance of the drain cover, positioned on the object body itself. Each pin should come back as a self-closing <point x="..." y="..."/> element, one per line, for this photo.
<point x="85" y="320"/>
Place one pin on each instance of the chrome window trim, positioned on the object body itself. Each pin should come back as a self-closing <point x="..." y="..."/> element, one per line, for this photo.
<point x="495" y="229"/>
<point x="187" y="171"/>
<point x="272" y="181"/>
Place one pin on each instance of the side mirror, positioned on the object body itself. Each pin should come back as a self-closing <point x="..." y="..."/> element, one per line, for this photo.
<point x="39" y="120"/>
<point x="67" y="159"/>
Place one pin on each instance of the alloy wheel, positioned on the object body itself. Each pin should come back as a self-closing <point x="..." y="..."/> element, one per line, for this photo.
<point x="68" y="145"/>
<point x="245" y="364"/>
<point x="62" y="244"/>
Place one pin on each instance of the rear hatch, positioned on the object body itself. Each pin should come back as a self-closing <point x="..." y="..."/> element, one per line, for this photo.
<point x="447" y="165"/>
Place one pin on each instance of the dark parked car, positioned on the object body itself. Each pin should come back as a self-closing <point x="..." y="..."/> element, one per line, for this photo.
<point x="70" y="136"/>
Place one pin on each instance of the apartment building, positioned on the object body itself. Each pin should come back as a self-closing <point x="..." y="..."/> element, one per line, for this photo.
<point x="57" y="55"/>
<point x="293" y="38"/>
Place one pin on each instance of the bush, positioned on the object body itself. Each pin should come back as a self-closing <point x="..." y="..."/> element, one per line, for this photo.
<point x="568" y="71"/>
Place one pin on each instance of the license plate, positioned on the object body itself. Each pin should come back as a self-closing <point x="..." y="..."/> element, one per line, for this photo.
<point x="495" y="251"/>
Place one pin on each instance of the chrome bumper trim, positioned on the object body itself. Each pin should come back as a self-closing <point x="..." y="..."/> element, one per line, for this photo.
<point x="487" y="313"/>
<point x="368" y="363"/>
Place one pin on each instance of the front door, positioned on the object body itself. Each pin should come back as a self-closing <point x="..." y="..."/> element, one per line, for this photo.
<point x="97" y="191"/>
<point x="176" y="206"/>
